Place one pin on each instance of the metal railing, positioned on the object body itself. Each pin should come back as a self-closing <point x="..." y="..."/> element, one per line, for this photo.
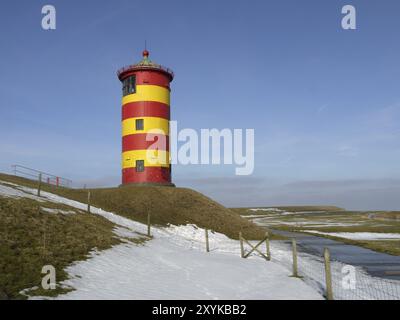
<point x="34" y="174"/>
<point x="150" y="67"/>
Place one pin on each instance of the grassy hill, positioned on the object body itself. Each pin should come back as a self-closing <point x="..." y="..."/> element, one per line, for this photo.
<point x="31" y="237"/>
<point x="166" y="205"/>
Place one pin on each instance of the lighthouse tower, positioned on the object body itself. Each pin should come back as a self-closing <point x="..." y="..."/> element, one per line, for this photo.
<point x="145" y="123"/>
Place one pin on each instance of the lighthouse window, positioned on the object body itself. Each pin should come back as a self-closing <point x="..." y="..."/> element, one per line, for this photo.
<point x="129" y="85"/>
<point x="139" y="124"/>
<point x="139" y="165"/>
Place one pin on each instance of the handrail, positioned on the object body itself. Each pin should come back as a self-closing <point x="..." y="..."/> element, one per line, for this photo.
<point x="136" y="66"/>
<point x="34" y="174"/>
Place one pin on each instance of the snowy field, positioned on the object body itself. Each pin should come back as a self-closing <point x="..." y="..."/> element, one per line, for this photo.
<point x="173" y="265"/>
<point x="358" y="235"/>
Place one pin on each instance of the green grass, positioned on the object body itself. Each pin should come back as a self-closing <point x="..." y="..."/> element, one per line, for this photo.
<point x="31" y="238"/>
<point x="166" y="205"/>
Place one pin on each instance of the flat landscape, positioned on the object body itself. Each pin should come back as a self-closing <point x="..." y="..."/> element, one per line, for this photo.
<point x="376" y="230"/>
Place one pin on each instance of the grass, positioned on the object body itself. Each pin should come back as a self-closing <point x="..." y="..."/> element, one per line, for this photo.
<point x="302" y="220"/>
<point x="31" y="238"/>
<point x="309" y="208"/>
<point x="166" y="205"/>
<point x="390" y="215"/>
<point x="246" y="211"/>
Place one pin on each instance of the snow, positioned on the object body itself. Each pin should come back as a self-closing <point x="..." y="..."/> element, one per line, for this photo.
<point x="8" y="190"/>
<point x="275" y="211"/>
<point x="172" y="265"/>
<point x="300" y="222"/>
<point x="358" y="235"/>
<point x="165" y="270"/>
<point x="251" y="216"/>
<point x="266" y="209"/>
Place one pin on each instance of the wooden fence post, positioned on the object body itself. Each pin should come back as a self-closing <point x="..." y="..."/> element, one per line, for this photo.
<point x="294" y="248"/>
<point x="267" y="246"/>
<point x="39" y="185"/>
<point x="88" y="202"/>
<point x="328" y="274"/>
<point x="148" y="225"/>
<point x="44" y="243"/>
<point x="207" y="243"/>
<point x="241" y="245"/>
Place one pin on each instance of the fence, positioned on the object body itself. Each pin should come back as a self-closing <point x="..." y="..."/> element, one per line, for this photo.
<point x="34" y="174"/>
<point x="347" y="282"/>
<point x="333" y="279"/>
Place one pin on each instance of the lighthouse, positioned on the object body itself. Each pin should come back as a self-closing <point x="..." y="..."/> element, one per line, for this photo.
<point x="145" y="123"/>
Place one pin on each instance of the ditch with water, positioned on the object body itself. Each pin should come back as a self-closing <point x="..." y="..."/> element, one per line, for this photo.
<point x="375" y="263"/>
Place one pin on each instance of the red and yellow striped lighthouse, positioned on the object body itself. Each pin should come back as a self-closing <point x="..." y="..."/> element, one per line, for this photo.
<point x="145" y="123"/>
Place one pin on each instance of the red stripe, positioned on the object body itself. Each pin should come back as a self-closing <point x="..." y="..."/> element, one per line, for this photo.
<point x="149" y="175"/>
<point x="138" y="142"/>
<point x="150" y="77"/>
<point x="145" y="109"/>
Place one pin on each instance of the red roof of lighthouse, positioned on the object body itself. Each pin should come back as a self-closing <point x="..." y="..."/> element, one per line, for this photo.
<point x="145" y="64"/>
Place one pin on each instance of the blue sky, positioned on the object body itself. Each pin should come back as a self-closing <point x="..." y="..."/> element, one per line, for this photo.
<point x="324" y="102"/>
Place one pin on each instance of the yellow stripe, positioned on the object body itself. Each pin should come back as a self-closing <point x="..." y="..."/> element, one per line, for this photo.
<point x="151" y="124"/>
<point x="152" y="158"/>
<point x="148" y="93"/>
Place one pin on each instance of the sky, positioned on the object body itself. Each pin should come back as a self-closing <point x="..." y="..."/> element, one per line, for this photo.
<point x="324" y="102"/>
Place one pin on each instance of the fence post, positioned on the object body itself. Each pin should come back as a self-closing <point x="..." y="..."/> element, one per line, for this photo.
<point x="148" y="225"/>
<point x="44" y="243"/>
<point x="241" y="245"/>
<point x="39" y="185"/>
<point x="88" y="202"/>
<point x="328" y="274"/>
<point x="294" y="248"/>
<point x="267" y="246"/>
<point x="207" y="243"/>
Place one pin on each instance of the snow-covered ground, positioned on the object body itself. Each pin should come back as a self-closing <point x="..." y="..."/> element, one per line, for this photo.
<point x="265" y="209"/>
<point x="173" y="265"/>
<point x="162" y="269"/>
<point x="359" y="235"/>
<point x="269" y="221"/>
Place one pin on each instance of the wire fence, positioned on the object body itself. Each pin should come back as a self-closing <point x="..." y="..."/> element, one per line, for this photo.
<point x="348" y="282"/>
<point x="45" y="177"/>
